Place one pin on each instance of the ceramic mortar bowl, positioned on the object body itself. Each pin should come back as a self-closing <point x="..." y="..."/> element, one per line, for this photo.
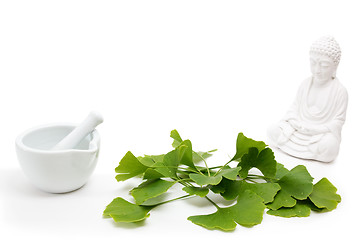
<point x="56" y="171"/>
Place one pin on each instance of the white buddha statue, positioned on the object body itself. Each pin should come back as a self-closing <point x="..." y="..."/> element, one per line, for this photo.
<point x="311" y="129"/>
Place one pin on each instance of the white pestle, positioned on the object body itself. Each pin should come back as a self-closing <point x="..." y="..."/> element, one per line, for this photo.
<point x="80" y="132"/>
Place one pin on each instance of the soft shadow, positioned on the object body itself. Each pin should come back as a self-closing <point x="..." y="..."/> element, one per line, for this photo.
<point x="219" y="229"/>
<point x="278" y="150"/>
<point x="14" y="182"/>
<point x="129" y="225"/>
<point x="222" y="202"/>
<point x="200" y="202"/>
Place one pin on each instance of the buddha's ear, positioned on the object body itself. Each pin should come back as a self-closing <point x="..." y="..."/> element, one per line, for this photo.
<point x="334" y="74"/>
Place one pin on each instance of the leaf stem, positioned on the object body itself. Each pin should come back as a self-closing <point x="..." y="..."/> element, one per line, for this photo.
<point x="203" y="159"/>
<point x="178" y="198"/>
<point x="211" y="168"/>
<point x="179" y="168"/>
<point x="261" y="177"/>
<point x="221" y="168"/>
<point x="212" y="202"/>
<point x="185" y="183"/>
<point x="183" y="179"/>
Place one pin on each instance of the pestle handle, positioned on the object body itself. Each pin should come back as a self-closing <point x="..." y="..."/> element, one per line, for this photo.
<point x="81" y="131"/>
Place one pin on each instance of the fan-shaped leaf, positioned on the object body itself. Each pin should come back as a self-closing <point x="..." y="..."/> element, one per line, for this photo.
<point x="199" y="191"/>
<point x="205" y="179"/>
<point x="123" y="211"/>
<point x="243" y="144"/>
<point x="324" y="195"/>
<point x="264" y="161"/>
<point x="150" y="189"/>
<point x="248" y="211"/>
<point x="301" y="209"/>
<point x="129" y="167"/>
<point x="297" y="184"/>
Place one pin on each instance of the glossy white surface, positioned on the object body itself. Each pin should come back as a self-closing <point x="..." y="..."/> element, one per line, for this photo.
<point x="56" y="171"/>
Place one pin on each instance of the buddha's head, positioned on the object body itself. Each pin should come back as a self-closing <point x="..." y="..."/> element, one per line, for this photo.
<point x="325" y="56"/>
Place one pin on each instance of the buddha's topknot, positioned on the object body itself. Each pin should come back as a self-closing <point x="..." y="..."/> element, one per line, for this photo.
<point x="327" y="46"/>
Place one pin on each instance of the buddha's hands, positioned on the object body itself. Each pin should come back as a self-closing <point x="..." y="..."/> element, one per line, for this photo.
<point x="302" y="127"/>
<point x="306" y="128"/>
<point x="295" y="124"/>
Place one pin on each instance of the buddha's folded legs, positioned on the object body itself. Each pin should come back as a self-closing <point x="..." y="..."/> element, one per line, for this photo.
<point x="321" y="147"/>
<point x="326" y="149"/>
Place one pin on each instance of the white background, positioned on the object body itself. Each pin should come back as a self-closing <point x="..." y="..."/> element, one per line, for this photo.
<point x="210" y="69"/>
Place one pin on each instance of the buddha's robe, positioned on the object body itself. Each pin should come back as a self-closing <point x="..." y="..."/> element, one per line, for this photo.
<point x="307" y="144"/>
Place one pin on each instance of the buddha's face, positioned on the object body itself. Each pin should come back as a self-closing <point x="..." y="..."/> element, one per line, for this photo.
<point x="323" y="68"/>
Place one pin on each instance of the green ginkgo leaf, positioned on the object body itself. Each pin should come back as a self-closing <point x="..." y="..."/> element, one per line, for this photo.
<point x="243" y="144"/>
<point x="202" y="179"/>
<point x="280" y="171"/>
<point x="215" y="178"/>
<point x="196" y="156"/>
<point x="150" y="189"/>
<point x="301" y="209"/>
<point x="324" y="195"/>
<point x="168" y="167"/>
<point x="187" y="156"/>
<point x="151" y="173"/>
<point x="266" y="191"/>
<point x="282" y="199"/>
<point x="230" y="173"/>
<point x="287" y="193"/>
<point x="199" y="191"/>
<point x="129" y="167"/>
<point x="264" y="161"/>
<point x="248" y="211"/>
<point x="149" y="160"/>
<point x="231" y="189"/>
<point x="174" y="134"/>
<point x="123" y="211"/>
<point x="222" y="219"/>
<point x="297" y="183"/>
